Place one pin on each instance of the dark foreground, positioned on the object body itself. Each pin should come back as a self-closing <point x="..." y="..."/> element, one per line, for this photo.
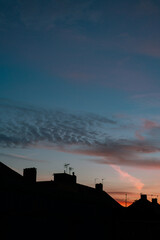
<point x="63" y="216"/>
<point x="64" y="209"/>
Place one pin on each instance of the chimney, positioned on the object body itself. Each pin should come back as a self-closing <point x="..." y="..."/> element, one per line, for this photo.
<point x="99" y="187"/>
<point x="30" y="174"/>
<point x="154" y="200"/>
<point x="143" y="196"/>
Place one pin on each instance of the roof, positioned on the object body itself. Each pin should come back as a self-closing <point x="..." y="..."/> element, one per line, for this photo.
<point x="8" y="175"/>
<point x="141" y="203"/>
<point x="64" y="187"/>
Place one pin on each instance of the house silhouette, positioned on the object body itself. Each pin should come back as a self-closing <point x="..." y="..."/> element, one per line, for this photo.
<point x="62" y="203"/>
<point x="64" y="184"/>
<point x="64" y="209"/>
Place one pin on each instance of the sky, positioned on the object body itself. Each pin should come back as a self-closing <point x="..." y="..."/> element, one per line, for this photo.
<point x="79" y="84"/>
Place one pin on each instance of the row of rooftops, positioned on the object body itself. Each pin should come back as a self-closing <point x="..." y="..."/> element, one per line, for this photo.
<point x="30" y="175"/>
<point x="144" y="198"/>
<point x="143" y="202"/>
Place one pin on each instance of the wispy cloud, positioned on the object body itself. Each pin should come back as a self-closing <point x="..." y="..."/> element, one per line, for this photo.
<point x="151" y="99"/>
<point x="21" y="157"/>
<point x="133" y="180"/>
<point x="46" y="16"/>
<point x="148" y="124"/>
<point x="139" y="136"/>
<point x="68" y="22"/>
<point x="126" y="153"/>
<point x="148" y="129"/>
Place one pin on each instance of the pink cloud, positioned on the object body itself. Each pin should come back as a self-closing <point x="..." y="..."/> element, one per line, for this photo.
<point x="135" y="181"/>
<point x="125" y="154"/>
<point x="139" y="136"/>
<point x="150" y="124"/>
<point x="147" y="126"/>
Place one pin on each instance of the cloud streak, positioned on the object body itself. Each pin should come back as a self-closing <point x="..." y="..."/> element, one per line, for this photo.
<point x="21" y="157"/>
<point x="120" y="152"/>
<point x="135" y="181"/>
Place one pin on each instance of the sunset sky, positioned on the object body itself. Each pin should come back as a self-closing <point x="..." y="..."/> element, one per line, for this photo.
<point x="80" y="84"/>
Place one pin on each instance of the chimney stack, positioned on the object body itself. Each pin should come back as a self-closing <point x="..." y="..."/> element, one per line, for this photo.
<point x="154" y="200"/>
<point x="99" y="187"/>
<point x="143" y="196"/>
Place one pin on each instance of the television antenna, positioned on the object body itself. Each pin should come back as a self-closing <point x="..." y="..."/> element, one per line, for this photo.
<point x="103" y="180"/>
<point x="95" y="180"/>
<point x="70" y="169"/>
<point x="152" y="195"/>
<point x="66" y="167"/>
<point x="126" y="200"/>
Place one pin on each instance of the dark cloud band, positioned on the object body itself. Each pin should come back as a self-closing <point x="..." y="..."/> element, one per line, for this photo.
<point x="22" y="126"/>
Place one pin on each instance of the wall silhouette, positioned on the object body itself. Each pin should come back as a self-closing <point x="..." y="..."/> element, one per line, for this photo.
<point x="63" y="209"/>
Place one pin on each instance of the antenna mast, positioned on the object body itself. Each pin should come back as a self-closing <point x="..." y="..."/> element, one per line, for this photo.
<point x="70" y="169"/>
<point x="66" y="167"/>
<point x="95" y="180"/>
<point x="126" y="200"/>
<point x="103" y="180"/>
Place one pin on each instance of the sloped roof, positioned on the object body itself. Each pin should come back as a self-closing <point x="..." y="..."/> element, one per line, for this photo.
<point x="80" y="193"/>
<point x="141" y="203"/>
<point x="8" y="175"/>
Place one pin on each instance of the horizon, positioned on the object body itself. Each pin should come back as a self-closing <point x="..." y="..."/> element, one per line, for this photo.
<point x="124" y="201"/>
<point x="80" y="85"/>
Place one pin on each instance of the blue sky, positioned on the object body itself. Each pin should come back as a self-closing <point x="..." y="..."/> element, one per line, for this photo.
<point x="80" y="84"/>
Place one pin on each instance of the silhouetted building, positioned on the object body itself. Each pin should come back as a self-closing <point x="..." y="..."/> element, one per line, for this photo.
<point x="143" y="203"/>
<point x="64" y="186"/>
<point x="143" y="197"/>
<point x="154" y="201"/>
<point x="65" y="178"/>
<point x="8" y="176"/>
<point x="30" y="174"/>
<point x="55" y="209"/>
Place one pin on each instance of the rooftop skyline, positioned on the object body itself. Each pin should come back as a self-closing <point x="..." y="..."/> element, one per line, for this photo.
<point x="80" y="85"/>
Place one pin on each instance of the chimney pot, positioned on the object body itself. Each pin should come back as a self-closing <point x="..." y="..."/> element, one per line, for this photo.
<point x="99" y="186"/>
<point x="143" y="196"/>
<point x="154" y="200"/>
